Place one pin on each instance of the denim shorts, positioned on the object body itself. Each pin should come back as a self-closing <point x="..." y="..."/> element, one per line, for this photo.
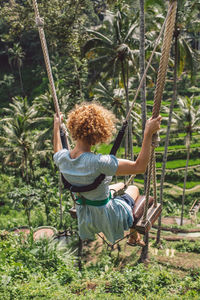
<point x="128" y="199"/>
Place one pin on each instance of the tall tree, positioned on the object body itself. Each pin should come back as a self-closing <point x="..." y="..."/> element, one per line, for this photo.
<point x="144" y="253"/>
<point x="15" y="58"/>
<point x="188" y="121"/>
<point x="188" y="26"/>
<point x="17" y="136"/>
<point x="113" y="54"/>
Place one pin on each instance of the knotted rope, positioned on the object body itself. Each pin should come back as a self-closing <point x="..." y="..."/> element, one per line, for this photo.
<point x="168" y="35"/>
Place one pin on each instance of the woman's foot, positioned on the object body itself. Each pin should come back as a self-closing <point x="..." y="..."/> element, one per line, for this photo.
<point x="135" y="239"/>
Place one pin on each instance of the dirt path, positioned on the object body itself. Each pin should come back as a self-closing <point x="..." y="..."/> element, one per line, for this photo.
<point x="169" y="256"/>
<point x="179" y="169"/>
<point x="178" y="188"/>
<point x="174" y="189"/>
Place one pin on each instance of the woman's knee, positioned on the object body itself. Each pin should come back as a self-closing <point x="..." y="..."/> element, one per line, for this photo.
<point x="133" y="191"/>
<point x="133" y="188"/>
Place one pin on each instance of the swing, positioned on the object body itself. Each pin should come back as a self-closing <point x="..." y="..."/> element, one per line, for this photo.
<point x="147" y="210"/>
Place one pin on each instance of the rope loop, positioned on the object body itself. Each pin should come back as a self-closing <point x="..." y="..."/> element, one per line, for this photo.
<point x="155" y="140"/>
<point x="64" y="129"/>
<point x="39" y="22"/>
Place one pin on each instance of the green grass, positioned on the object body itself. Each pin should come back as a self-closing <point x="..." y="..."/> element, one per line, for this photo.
<point x="175" y="164"/>
<point x="189" y="184"/>
<point x="15" y="219"/>
<point x="177" y="147"/>
<point x="164" y="115"/>
<point x="139" y="180"/>
<point x="136" y="149"/>
<point x="151" y="102"/>
<point x="183" y="134"/>
<point x="105" y="149"/>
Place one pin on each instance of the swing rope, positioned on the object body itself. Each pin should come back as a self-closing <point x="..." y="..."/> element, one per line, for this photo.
<point x="40" y="25"/>
<point x="168" y="35"/>
<point x="149" y="63"/>
<point x="168" y="25"/>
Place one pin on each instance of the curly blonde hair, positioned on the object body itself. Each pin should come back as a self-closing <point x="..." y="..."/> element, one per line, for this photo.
<point x="91" y="122"/>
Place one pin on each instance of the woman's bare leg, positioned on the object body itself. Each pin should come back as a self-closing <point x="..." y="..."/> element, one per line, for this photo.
<point x="135" y="238"/>
<point x="133" y="191"/>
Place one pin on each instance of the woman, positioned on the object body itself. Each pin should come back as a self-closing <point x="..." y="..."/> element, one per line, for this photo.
<point x="90" y="124"/>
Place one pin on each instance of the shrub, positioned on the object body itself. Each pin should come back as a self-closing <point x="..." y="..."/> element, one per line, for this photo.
<point x="186" y="246"/>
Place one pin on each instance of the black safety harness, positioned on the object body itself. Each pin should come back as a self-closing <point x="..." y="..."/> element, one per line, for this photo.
<point x="101" y="177"/>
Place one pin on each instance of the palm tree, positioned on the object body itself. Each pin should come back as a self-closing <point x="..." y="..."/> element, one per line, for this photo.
<point x="187" y="26"/>
<point x="112" y="46"/>
<point x="44" y="106"/>
<point x="111" y="54"/>
<point x="15" y="58"/>
<point x="17" y="137"/>
<point x="111" y="98"/>
<point x="188" y="121"/>
<point x="26" y="196"/>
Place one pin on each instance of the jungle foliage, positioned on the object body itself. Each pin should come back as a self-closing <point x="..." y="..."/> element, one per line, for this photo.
<point x="94" y="52"/>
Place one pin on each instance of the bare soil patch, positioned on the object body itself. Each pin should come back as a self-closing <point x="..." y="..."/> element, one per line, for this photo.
<point x="180" y="260"/>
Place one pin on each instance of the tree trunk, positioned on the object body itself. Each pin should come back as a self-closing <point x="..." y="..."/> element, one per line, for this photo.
<point x="142" y="66"/>
<point x="80" y="248"/>
<point x="26" y="168"/>
<point x="21" y="82"/>
<point x="130" y="123"/>
<point x="145" y="250"/>
<point x="128" y="136"/>
<point x="47" y="211"/>
<point x="185" y="179"/>
<point x="79" y="81"/>
<point x="176" y="33"/>
<point x="60" y="198"/>
<point x="144" y="253"/>
<point x="142" y="69"/>
<point x="28" y="213"/>
<point x="32" y="174"/>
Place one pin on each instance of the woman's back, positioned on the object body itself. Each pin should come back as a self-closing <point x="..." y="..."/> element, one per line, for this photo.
<point x="111" y="219"/>
<point x="84" y="169"/>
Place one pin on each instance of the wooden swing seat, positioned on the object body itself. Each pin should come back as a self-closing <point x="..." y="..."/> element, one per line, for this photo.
<point x="152" y="215"/>
<point x="139" y="225"/>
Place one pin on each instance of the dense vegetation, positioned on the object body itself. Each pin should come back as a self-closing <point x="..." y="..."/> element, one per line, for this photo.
<point x="94" y="52"/>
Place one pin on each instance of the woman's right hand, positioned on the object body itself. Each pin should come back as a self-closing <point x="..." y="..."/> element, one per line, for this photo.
<point x="152" y="125"/>
<point x="57" y="120"/>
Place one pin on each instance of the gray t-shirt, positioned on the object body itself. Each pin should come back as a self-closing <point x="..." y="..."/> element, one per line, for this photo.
<point x="111" y="219"/>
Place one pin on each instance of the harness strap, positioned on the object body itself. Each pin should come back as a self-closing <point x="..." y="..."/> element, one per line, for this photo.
<point x="101" y="177"/>
<point x="82" y="189"/>
<point x="83" y="201"/>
